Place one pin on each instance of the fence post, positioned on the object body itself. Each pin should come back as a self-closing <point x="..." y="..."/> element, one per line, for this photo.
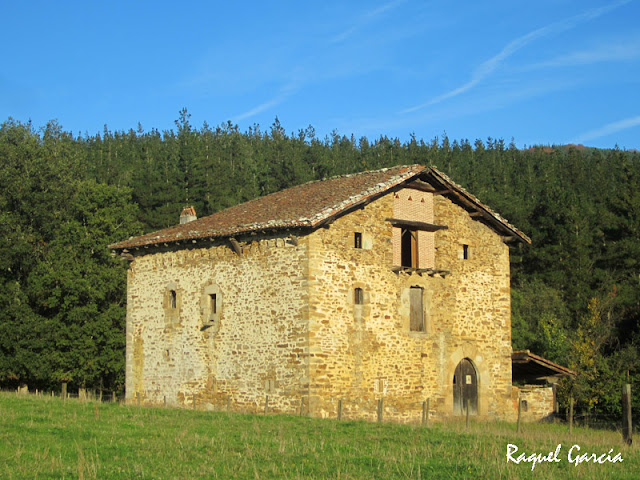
<point x="194" y="400"/>
<point x="380" y="410"/>
<point x="164" y="401"/>
<point x="301" y="406"/>
<point x="340" y="409"/>
<point x="627" y="427"/>
<point x="64" y="390"/>
<point x="266" y="404"/>
<point x="228" y="402"/>
<point x="571" y="415"/>
<point x="519" y="414"/>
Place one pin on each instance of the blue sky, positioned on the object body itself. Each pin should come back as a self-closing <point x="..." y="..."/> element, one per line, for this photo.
<point x="543" y="72"/>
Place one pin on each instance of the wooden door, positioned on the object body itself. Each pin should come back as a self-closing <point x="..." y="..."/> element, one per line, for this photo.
<point x="465" y="388"/>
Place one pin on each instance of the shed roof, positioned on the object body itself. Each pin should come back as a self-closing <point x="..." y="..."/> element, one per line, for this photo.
<point x="527" y="366"/>
<point x="312" y="204"/>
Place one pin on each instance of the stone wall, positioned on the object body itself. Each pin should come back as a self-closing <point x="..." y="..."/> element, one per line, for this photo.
<point x="256" y="344"/>
<point x="368" y="352"/>
<point x="287" y="323"/>
<point x="538" y="402"/>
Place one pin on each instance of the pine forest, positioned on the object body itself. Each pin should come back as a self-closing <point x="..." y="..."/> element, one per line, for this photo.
<point x="65" y="197"/>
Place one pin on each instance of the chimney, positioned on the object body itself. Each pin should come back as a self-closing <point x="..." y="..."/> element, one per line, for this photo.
<point x="188" y="215"/>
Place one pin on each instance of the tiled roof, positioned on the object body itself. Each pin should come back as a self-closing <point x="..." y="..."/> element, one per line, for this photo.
<point x="306" y="205"/>
<point x="311" y="204"/>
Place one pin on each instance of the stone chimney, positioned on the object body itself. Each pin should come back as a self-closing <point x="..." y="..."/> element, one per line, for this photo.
<point x="188" y="215"/>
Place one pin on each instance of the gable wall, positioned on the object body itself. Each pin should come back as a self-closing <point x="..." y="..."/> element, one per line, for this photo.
<point x="364" y="353"/>
<point x="257" y="344"/>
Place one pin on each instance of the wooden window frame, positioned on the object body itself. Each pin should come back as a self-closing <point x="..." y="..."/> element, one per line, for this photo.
<point x="416" y="310"/>
<point x="409" y="248"/>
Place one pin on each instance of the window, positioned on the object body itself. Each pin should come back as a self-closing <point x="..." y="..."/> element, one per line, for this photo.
<point x="465" y="252"/>
<point x="416" y="309"/>
<point x="358" y="296"/>
<point x="172" y="304"/>
<point x="409" y="248"/>
<point x="213" y="304"/>
<point x="357" y="240"/>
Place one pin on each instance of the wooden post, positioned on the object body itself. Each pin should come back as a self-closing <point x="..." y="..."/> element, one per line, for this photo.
<point x="301" y="406"/>
<point x="228" y="402"/>
<point x="627" y="427"/>
<point x="466" y="406"/>
<point x="340" y="409"/>
<point x="424" y="413"/>
<point x="64" y="390"/>
<point x="571" y="415"/>
<point x="266" y="404"/>
<point x="519" y="415"/>
<point x="164" y="401"/>
<point x="138" y="398"/>
<point x="380" y="410"/>
<point x="194" y="401"/>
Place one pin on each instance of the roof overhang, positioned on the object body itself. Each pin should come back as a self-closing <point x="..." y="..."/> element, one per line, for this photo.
<point x="530" y="368"/>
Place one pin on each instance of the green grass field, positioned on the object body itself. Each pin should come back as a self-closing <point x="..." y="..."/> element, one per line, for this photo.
<point x="43" y="438"/>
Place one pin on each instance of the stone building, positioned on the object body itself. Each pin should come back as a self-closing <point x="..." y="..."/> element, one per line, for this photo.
<point x="388" y="284"/>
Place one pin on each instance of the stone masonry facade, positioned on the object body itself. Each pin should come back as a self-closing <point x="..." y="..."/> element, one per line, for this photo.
<point x="311" y="317"/>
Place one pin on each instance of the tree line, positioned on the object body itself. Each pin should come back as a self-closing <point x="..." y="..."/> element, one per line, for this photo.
<point x="64" y="198"/>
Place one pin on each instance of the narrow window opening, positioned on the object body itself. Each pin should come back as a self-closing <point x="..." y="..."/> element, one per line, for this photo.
<point x="465" y="252"/>
<point x="416" y="315"/>
<point x="213" y="303"/>
<point x="173" y="299"/>
<point x="409" y="248"/>
<point x="357" y="240"/>
<point x="358" y="296"/>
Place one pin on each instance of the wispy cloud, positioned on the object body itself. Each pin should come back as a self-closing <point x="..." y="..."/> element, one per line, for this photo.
<point x="616" y="52"/>
<point x="299" y="78"/>
<point x="608" y="129"/>
<point x="487" y="67"/>
<point x="365" y="19"/>
<point x="284" y="93"/>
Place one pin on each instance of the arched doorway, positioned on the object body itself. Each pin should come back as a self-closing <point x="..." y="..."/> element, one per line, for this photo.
<point x="465" y="388"/>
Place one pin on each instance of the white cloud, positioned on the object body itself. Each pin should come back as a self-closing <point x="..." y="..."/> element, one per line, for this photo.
<point x="608" y="129"/>
<point x="284" y="93"/>
<point x="364" y="19"/>
<point x="613" y="52"/>
<point x="487" y="67"/>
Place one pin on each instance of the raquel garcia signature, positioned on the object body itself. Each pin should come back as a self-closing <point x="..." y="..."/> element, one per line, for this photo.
<point x="573" y="456"/>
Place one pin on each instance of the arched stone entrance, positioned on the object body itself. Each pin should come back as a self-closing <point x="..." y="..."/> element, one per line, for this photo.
<point x="465" y="388"/>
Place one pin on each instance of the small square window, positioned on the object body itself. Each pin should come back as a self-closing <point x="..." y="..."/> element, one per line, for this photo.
<point x="173" y="297"/>
<point x="357" y="240"/>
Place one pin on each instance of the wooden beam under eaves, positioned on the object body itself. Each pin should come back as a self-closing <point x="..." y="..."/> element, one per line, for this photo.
<point x="413" y="225"/>
<point x="235" y="245"/>
<point x="420" y="185"/>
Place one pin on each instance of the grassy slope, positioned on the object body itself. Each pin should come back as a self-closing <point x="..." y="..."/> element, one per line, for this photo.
<point x="44" y="438"/>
